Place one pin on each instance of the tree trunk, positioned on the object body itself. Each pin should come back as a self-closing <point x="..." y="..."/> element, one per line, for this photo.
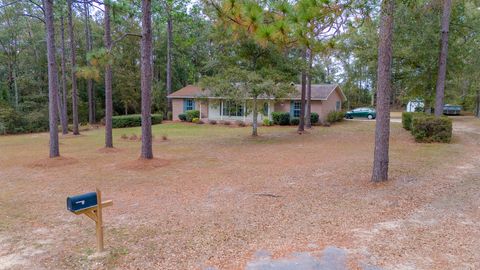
<point x="88" y="40"/>
<point x="52" y="78"/>
<point x="442" y="65"/>
<point x="146" y="79"/>
<point x="384" y="86"/>
<point x="15" y="86"/>
<point x="73" y="59"/>
<point x="301" y="124"/>
<point x="64" y="81"/>
<point x="477" y="102"/>
<point x="308" y="121"/>
<point x="108" y="81"/>
<point x="169" y="57"/>
<point x="255" y="116"/>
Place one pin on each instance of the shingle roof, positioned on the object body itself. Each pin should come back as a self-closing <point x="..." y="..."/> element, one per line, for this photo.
<point x="189" y="91"/>
<point x="319" y="92"/>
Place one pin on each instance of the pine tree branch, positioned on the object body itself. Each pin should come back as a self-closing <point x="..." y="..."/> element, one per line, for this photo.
<point x="124" y="36"/>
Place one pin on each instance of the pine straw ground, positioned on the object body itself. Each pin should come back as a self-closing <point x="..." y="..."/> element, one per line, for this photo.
<point x="215" y="196"/>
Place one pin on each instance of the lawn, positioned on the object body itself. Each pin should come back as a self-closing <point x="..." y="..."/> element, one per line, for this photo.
<point x="217" y="198"/>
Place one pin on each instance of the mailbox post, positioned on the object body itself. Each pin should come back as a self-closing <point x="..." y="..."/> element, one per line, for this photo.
<point x="91" y="205"/>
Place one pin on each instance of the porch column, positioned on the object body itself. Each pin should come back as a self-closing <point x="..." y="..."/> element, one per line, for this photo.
<point x="269" y="114"/>
<point x="244" y="111"/>
<point x="221" y="109"/>
<point x="200" y="115"/>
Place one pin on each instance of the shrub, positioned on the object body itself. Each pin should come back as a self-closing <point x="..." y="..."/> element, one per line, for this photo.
<point x="267" y="122"/>
<point x="133" y="120"/>
<point x="169" y="115"/>
<point x="240" y="123"/>
<point x="335" y="116"/>
<point x="407" y="119"/>
<point x="431" y="129"/>
<point x="226" y="123"/>
<point x="182" y="117"/>
<point x="192" y="114"/>
<point x="157" y="119"/>
<point x="314" y="117"/>
<point x="281" y="118"/>
<point x="419" y="109"/>
<point x="212" y="122"/>
<point x="12" y="122"/>
<point x="195" y="120"/>
<point x="294" y="121"/>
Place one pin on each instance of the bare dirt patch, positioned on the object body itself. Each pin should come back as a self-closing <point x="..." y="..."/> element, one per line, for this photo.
<point x="53" y="162"/>
<point x="108" y="150"/>
<point x="144" y="164"/>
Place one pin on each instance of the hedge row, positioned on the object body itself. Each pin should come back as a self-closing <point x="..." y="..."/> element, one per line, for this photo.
<point x="133" y="120"/>
<point x="281" y="118"/>
<point x="189" y="115"/>
<point x="284" y="119"/>
<point x="427" y="128"/>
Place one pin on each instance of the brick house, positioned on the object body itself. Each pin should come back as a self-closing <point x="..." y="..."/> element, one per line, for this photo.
<point x="325" y="98"/>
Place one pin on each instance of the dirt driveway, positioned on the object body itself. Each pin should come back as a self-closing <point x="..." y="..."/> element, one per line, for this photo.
<point x="221" y="200"/>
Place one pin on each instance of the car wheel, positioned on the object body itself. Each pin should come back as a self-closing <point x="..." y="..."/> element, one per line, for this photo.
<point x="370" y="117"/>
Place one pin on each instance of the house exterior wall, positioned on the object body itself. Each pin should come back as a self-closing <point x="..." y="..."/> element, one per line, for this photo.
<point x="177" y="107"/>
<point x="202" y="106"/>
<point x="282" y="106"/>
<point x="329" y="105"/>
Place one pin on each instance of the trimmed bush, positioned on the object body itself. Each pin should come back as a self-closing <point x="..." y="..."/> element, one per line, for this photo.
<point x="294" y="121"/>
<point x="212" y="122"/>
<point x="267" y="122"/>
<point x="133" y="120"/>
<point x="407" y="119"/>
<point x="192" y="114"/>
<point x="195" y="120"/>
<point x="182" y="117"/>
<point x="281" y="118"/>
<point x="335" y="116"/>
<point x="314" y="118"/>
<point x="431" y="129"/>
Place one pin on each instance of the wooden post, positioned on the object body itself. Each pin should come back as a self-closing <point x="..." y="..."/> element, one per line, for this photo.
<point x="99" y="222"/>
<point x="95" y="214"/>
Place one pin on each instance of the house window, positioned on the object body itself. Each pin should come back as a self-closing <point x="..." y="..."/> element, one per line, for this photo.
<point x="188" y="104"/>
<point x="265" y="109"/>
<point x="231" y="108"/>
<point x="296" y="108"/>
<point x="338" y="106"/>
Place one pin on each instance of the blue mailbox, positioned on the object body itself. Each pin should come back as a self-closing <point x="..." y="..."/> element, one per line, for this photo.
<point x="82" y="201"/>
